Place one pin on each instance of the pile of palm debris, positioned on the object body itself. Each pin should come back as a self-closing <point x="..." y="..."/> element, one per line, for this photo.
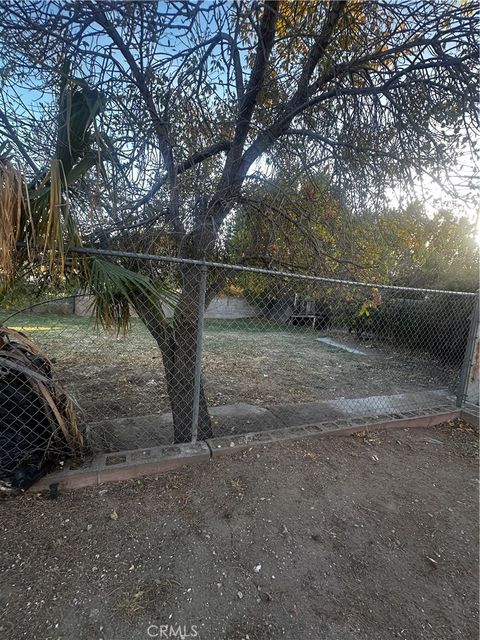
<point x="37" y="422"/>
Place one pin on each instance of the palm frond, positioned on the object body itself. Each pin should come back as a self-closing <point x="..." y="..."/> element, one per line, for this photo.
<point x="12" y="209"/>
<point x="24" y="365"/>
<point x="38" y="216"/>
<point x="115" y="290"/>
<point x="79" y="106"/>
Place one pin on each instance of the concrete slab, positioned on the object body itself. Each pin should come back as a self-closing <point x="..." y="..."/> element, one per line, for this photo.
<point x="291" y="415"/>
<point x="242" y="418"/>
<point x="399" y="403"/>
<point x="239" y="409"/>
<point x="338" y="345"/>
<point x="157" y="429"/>
<point x="126" y="433"/>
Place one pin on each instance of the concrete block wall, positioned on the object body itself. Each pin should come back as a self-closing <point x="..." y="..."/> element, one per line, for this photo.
<point x="230" y="308"/>
<point x="221" y="307"/>
<point x="60" y="307"/>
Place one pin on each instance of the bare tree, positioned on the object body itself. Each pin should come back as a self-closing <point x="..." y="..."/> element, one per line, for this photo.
<point x="197" y="95"/>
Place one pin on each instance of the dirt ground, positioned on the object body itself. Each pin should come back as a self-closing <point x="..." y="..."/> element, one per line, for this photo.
<point x="244" y="361"/>
<point x="357" y="538"/>
<point x="293" y="366"/>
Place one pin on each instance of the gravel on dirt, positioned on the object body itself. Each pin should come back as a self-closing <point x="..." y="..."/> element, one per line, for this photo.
<point x="367" y="537"/>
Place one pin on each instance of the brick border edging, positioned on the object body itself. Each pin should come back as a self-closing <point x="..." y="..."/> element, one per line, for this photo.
<point x="125" y="465"/>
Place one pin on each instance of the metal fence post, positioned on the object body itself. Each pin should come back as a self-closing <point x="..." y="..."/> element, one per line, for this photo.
<point x="198" y="352"/>
<point x="468" y="388"/>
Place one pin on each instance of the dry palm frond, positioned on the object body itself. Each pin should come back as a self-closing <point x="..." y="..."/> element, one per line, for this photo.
<point x="40" y="219"/>
<point x="12" y="209"/>
<point x="24" y="367"/>
<point x="32" y="217"/>
<point x="54" y="215"/>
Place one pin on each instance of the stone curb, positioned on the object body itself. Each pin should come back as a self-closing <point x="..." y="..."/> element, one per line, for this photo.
<point x="125" y="465"/>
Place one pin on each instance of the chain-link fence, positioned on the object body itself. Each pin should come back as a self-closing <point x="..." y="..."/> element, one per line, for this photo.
<point x="222" y="350"/>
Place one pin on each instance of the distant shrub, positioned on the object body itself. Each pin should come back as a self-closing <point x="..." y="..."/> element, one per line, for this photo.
<point x="438" y="324"/>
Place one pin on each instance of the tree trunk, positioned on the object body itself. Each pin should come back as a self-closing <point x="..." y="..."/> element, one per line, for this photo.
<point x="177" y="341"/>
<point x="181" y="380"/>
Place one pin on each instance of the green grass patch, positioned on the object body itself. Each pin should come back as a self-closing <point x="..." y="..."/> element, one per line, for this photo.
<point x="252" y="325"/>
<point x="45" y="321"/>
<point x="33" y="322"/>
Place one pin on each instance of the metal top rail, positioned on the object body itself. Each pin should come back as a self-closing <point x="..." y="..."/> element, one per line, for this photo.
<point x="238" y="267"/>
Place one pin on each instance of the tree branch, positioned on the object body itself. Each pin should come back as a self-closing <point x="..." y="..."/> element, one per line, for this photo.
<point x="196" y="158"/>
<point x="314" y="56"/>
<point x="18" y="143"/>
<point x="228" y="182"/>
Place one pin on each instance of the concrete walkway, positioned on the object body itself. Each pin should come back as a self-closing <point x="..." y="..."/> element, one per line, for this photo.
<point x="228" y="420"/>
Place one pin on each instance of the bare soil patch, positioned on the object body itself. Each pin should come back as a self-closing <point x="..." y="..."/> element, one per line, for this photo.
<point x="368" y="537"/>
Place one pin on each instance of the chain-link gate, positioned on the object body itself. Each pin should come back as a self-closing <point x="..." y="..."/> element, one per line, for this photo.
<point x="223" y="350"/>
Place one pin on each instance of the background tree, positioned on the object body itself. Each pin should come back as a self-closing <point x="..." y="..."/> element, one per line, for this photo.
<point x="198" y="95"/>
<point x="438" y="251"/>
<point x="299" y="225"/>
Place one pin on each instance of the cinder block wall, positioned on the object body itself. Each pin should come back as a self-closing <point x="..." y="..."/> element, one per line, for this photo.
<point x="60" y="307"/>
<point x="230" y="308"/>
<point x="221" y="308"/>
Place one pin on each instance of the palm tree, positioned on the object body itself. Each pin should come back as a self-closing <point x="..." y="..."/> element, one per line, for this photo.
<point x="38" y="222"/>
<point x="38" y="226"/>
